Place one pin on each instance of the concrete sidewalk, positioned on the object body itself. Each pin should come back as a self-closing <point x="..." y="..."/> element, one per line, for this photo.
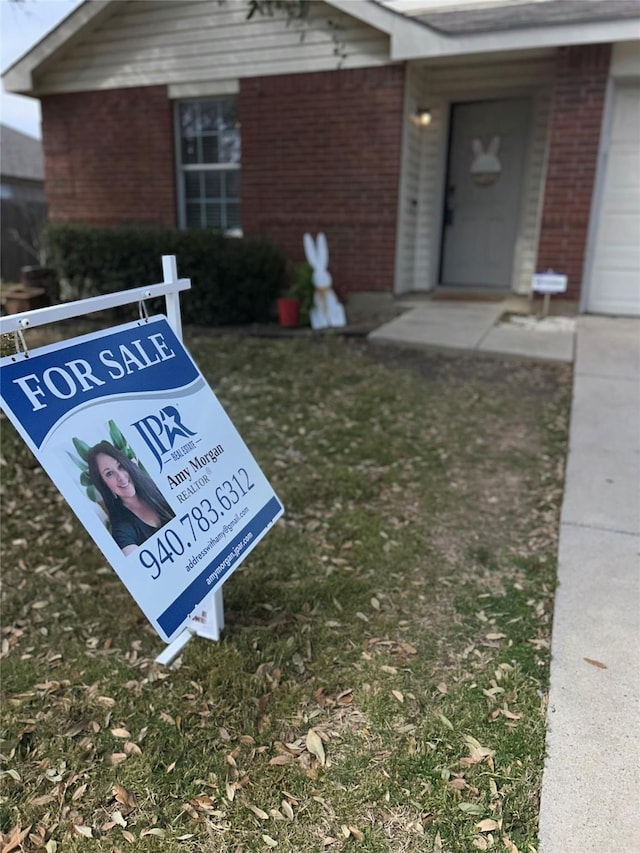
<point x="591" y="783"/>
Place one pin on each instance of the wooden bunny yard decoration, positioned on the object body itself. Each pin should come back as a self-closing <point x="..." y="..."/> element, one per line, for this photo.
<point x="326" y="311"/>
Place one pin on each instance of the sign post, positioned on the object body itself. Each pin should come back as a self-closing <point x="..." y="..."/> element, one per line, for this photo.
<point x="130" y="432"/>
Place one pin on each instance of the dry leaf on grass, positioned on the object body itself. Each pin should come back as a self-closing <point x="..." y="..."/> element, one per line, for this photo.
<point x="488" y="825"/>
<point x="259" y="813"/>
<point x="126" y="798"/>
<point x="471" y="808"/>
<point x="315" y="746"/>
<point x="79" y="791"/>
<point x="41" y="801"/>
<point x="153" y="830"/>
<point x="445" y="722"/>
<point x="203" y="802"/>
<point x="14" y="838"/>
<point x="86" y="831"/>
<point x="121" y="733"/>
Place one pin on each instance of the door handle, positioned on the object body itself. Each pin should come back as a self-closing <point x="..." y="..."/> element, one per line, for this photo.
<point x="449" y="205"/>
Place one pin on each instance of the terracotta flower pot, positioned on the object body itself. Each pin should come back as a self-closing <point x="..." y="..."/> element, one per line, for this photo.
<point x="25" y="299"/>
<point x="288" y="312"/>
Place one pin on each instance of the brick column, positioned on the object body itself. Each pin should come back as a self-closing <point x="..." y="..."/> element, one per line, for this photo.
<point x="580" y="87"/>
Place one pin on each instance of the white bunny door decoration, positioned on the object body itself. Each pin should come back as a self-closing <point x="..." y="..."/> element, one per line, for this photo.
<point x="486" y="166"/>
<point x="326" y="311"/>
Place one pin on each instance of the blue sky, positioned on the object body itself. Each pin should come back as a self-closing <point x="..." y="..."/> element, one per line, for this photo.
<point x="22" y="25"/>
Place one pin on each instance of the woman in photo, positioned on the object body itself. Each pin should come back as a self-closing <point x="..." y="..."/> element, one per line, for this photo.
<point x="134" y="504"/>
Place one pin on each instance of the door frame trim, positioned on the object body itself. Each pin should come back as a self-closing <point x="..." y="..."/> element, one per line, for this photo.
<point x="595" y="214"/>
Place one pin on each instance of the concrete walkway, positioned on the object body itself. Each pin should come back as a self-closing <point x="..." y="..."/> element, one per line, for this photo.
<point x="591" y="782"/>
<point x="476" y="326"/>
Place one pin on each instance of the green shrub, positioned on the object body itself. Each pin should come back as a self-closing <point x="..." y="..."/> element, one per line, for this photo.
<point x="233" y="279"/>
<point x="302" y="289"/>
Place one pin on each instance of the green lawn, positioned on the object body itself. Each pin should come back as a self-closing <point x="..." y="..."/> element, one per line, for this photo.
<point x="381" y="682"/>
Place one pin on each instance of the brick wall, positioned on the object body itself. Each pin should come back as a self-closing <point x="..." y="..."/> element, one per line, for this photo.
<point x="581" y="79"/>
<point x="321" y="152"/>
<point x="109" y="156"/>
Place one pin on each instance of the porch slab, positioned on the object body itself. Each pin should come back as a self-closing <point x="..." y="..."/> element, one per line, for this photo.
<point x="473" y="326"/>
<point x="441" y="325"/>
<point x="544" y="346"/>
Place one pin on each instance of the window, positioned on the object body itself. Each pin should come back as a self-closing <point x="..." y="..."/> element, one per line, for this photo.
<point x="208" y="150"/>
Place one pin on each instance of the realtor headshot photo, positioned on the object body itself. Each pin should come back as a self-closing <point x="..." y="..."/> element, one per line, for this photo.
<point x="133" y="503"/>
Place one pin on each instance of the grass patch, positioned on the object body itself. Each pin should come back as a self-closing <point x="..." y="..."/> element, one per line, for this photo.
<point x="381" y="683"/>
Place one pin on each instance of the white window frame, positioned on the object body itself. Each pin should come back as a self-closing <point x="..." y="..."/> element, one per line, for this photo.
<point x="183" y="168"/>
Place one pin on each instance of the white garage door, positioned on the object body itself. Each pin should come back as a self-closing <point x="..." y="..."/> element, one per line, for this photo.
<point x="614" y="285"/>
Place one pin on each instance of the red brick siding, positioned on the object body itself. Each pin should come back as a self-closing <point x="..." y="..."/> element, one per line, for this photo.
<point x="581" y="80"/>
<point x="321" y="152"/>
<point x="109" y="156"/>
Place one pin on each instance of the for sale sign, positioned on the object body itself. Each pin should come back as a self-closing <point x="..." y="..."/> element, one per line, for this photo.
<point x="137" y="442"/>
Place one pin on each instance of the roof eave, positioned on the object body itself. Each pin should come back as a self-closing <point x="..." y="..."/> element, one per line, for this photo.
<point x="414" y="39"/>
<point x="19" y="77"/>
<point x="407" y="44"/>
<point x="409" y="39"/>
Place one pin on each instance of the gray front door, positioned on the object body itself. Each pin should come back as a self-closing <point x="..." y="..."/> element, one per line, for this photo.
<point x="483" y="192"/>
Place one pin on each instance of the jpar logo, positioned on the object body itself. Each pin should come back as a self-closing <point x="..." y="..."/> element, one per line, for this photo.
<point x="160" y="432"/>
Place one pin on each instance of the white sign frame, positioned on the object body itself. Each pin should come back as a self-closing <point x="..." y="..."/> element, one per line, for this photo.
<point x="162" y="338"/>
<point x="549" y="282"/>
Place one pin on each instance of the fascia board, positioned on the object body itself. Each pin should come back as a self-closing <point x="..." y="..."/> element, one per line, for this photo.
<point x="368" y="12"/>
<point x="19" y="77"/>
<point x="402" y="29"/>
<point x="409" y="44"/>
